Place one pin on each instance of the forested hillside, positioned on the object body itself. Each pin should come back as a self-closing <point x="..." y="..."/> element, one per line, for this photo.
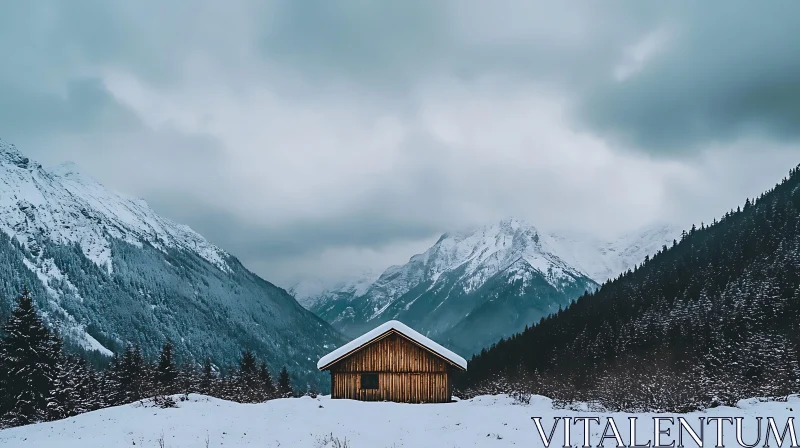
<point x="710" y="320"/>
<point x="107" y="271"/>
<point x="39" y="381"/>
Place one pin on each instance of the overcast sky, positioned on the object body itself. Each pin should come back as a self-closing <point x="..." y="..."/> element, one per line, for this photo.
<point x="323" y="137"/>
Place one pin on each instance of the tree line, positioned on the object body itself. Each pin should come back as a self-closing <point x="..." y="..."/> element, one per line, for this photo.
<point x="713" y="319"/>
<point x="39" y="381"/>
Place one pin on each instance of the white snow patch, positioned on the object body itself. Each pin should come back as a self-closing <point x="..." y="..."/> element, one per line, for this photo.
<point x="93" y="344"/>
<point x="486" y="421"/>
<point x="67" y="325"/>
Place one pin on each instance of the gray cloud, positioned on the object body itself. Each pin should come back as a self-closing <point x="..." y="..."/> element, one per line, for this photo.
<point x="84" y="105"/>
<point x="726" y="73"/>
<point x="306" y="137"/>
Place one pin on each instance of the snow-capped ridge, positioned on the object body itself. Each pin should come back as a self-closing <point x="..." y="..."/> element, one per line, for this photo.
<point x="11" y="155"/>
<point x="66" y="169"/>
<point x="490" y="249"/>
<point x="499" y="268"/>
<point x="501" y="277"/>
<point x="482" y="253"/>
<point x="8" y="148"/>
<point x="106" y="271"/>
<point x="65" y="206"/>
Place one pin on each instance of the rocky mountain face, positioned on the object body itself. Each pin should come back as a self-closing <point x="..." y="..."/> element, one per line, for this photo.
<point x="107" y="271"/>
<point x="471" y="289"/>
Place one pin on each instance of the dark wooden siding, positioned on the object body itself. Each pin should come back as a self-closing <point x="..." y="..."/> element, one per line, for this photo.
<point x="400" y="387"/>
<point x="406" y="373"/>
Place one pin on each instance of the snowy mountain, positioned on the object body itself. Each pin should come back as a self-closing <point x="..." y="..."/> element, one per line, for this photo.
<point x="65" y="207"/>
<point x="107" y="270"/>
<point x="471" y="289"/>
<point x="505" y="275"/>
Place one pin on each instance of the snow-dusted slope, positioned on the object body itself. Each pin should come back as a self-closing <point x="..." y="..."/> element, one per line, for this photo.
<point x="509" y="262"/>
<point x="501" y="277"/>
<point x="106" y="270"/>
<point x="603" y="260"/>
<point x="477" y="256"/>
<point x="484" y="421"/>
<point x="65" y="206"/>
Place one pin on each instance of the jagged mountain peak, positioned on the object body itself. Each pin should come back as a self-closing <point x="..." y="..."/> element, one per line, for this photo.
<point x="481" y="253"/>
<point x="67" y="169"/>
<point x="10" y="155"/>
<point x="494" y="245"/>
<point x="513" y="223"/>
<point x="477" y="286"/>
<point x="504" y="271"/>
<point x="6" y="147"/>
<point x="508" y="226"/>
<point x="65" y="206"/>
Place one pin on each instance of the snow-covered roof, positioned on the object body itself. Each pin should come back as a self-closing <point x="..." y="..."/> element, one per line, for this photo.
<point x="399" y="327"/>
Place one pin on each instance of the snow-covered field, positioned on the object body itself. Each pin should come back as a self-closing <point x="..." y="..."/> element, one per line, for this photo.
<point x="488" y="421"/>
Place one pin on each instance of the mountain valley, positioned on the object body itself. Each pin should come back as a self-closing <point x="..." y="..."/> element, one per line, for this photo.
<point x="107" y="271"/>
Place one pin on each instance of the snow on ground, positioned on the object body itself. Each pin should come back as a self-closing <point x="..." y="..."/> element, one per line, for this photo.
<point x="487" y="421"/>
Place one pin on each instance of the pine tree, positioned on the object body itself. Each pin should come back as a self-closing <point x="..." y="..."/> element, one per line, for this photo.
<point x="84" y="384"/>
<point x="5" y="393"/>
<point x="63" y="396"/>
<point x="207" y="378"/>
<point x="31" y="362"/>
<point x="247" y="386"/>
<point x="267" y="386"/>
<point x="166" y="373"/>
<point x="188" y="380"/>
<point x="111" y="381"/>
<point x="130" y="375"/>
<point x="284" y="384"/>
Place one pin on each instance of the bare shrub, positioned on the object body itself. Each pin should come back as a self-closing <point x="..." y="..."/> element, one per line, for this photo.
<point x="163" y="402"/>
<point x="330" y="441"/>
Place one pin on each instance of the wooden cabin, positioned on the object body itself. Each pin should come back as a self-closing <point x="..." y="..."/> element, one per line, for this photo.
<point x="392" y="363"/>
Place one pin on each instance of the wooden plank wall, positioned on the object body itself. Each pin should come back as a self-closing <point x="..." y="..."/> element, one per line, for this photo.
<point x="406" y="373"/>
<point x="401" y="387"/>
